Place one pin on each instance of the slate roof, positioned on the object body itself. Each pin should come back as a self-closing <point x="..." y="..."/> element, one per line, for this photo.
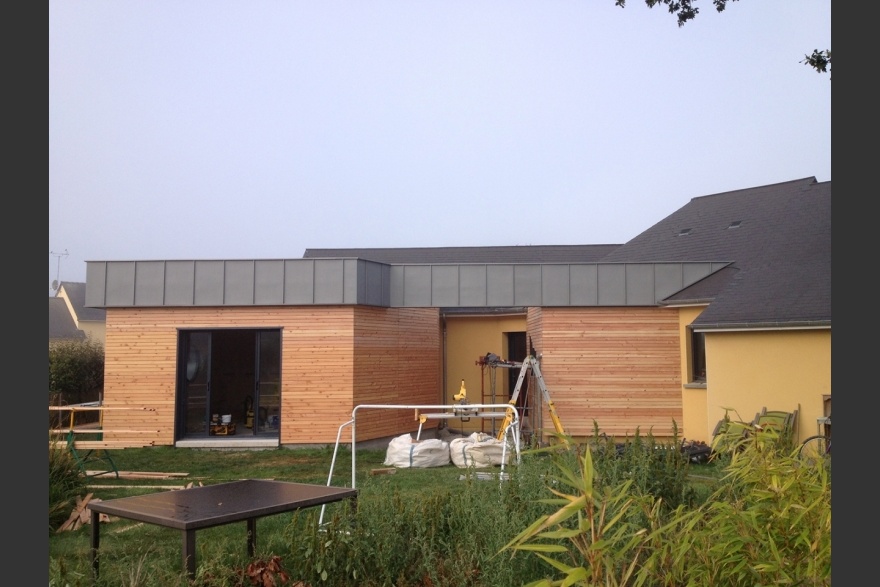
<point x="76" y="292"/>
<point x="775" y="240"/>
<point x="779" y="254"/>
<point x="61" y="324"/>
<point x="440" y="255"/>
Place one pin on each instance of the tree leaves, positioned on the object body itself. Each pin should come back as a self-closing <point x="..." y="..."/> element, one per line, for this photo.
<point x="683" y="10"/>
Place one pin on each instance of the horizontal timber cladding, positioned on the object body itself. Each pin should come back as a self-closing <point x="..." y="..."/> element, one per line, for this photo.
<point x="333" y="358"/>
<point x="619" y="367"/>
<point x="140" y="363"/>
<point x="397" y="361"/>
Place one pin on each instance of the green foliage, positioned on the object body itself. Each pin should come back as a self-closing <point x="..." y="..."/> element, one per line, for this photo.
<point x="768" y="523"/>
<point x="683" y="10"/>
<point x="655" y="468"/>
<point x="591" y="538"/>
<point x="417" y="527"/>
<point x="818" y="60"/>
<point x="65" y="485"/>
<point x="76" y="371"/>
<point x="439" y="536"/>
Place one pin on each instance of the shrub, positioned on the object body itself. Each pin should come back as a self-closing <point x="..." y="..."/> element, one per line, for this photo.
<point x="76" y="372"/>
<point x="768" y="523"/>
<point x="659" y="469"/>
<point x="65" y="485"/>
<point x="592" y="538"/>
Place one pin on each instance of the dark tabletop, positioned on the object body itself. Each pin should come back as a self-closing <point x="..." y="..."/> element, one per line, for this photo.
<point x="213" y="505"/>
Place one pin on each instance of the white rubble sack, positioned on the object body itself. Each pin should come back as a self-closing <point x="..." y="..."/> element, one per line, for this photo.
<point x="479" y="450"/>
<point x="404" y="452"/>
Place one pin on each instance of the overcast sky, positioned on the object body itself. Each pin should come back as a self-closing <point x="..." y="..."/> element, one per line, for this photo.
<point x="216" y="129"/>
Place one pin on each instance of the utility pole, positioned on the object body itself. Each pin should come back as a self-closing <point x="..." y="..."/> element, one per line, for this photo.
<point x="56" y="284"/>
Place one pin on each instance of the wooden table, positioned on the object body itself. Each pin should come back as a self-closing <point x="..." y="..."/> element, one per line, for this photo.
<point x="192" y="509"/>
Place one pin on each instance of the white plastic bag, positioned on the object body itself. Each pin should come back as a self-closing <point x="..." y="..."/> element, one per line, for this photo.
<point x="479" y="450"/>
<point x="404" y="452"/>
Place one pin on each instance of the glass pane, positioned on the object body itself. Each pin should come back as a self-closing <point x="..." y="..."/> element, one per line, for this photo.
<point x="196" y="371"/>
<point x="269" y="381"/>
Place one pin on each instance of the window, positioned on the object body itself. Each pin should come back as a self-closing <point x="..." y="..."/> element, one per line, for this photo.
<point x="697" y="356"/>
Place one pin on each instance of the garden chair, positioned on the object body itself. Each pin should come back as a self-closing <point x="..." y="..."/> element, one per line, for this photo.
<point x="729" y="434"/>
<point x="775" y="425"/>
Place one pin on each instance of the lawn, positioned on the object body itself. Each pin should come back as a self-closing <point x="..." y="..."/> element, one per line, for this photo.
<point x="404" y="511"/>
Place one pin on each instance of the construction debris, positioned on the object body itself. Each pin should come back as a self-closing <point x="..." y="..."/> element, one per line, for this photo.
<point x="81" y="514"/>
<point x="385" y="471"/>
<point x="142" y="474"/>
<point x="168" y="487"/>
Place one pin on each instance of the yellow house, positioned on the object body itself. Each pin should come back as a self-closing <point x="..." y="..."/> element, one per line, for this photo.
<point x="725" y="303"/>
<point x="91" y="321"/>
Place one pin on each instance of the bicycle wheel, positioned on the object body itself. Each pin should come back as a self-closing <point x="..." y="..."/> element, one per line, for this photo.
<point x="814" y="449"/>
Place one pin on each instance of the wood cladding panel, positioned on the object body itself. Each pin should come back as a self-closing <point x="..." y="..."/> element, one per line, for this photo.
<point x="398" y="362"/>
<point x="333" y="358"/>
<point x="618" y="367"/>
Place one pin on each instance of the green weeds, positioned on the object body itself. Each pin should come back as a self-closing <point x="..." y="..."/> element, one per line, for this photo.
<point x="613" y="514"/>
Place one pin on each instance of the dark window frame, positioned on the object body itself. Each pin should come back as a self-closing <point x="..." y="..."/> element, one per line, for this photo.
<point x="697" y="358"/>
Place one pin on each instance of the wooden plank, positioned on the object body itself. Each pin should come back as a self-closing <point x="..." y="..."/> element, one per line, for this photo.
<point x="99" y="431"/>
<point x="144" y="474"/>
<point x="383" y="471"/>
<point x="102" y="444"/>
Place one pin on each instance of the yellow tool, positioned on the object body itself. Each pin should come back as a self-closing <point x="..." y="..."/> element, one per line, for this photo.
<point x="462" y="393"/>
<point x="531" y="364"/>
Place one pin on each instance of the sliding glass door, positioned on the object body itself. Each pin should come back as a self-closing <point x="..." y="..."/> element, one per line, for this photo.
<point x="229" y="383"/>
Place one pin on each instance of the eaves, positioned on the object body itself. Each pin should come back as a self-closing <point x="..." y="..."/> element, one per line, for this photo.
<point x="768" y="325"/>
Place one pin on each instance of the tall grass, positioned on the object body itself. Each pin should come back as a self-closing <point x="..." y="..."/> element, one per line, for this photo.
<point x="446" y="526"/>
<point x="65" y="484"/>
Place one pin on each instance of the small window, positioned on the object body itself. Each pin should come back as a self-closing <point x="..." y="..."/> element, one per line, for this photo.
<point x="698" y="356"/>
<point x="735" y="224"/>
<point x="685" y="231"/>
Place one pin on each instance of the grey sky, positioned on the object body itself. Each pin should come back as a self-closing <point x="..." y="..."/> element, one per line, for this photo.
<point x="220" y="129"/>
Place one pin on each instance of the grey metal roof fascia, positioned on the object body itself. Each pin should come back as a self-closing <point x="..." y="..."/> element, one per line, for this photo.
<point x="744" y="326"/>
<point x="685" y="303"/>
<point x="484" y="311"/>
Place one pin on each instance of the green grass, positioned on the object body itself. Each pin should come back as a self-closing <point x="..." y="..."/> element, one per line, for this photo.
<point x="405" y="520"/>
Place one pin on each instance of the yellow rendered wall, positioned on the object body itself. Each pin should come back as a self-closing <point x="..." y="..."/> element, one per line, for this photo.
<point x="694" y="421"/>
<point x="466" y="340"/>
<point x="779" y="370"/>
<point x="94" y="330"/>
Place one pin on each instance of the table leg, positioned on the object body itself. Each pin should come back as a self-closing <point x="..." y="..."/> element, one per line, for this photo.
<point x="252" y="536"/>
<point x="96" y="541"/>
<point x="189" y="552"/>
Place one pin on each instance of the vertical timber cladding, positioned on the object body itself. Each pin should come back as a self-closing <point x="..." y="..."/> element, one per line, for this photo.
<point x="397" y="360"/>
<point x="617" y="366"/>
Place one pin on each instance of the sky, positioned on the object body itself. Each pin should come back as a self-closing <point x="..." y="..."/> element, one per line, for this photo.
<point x="221" y="129"/>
